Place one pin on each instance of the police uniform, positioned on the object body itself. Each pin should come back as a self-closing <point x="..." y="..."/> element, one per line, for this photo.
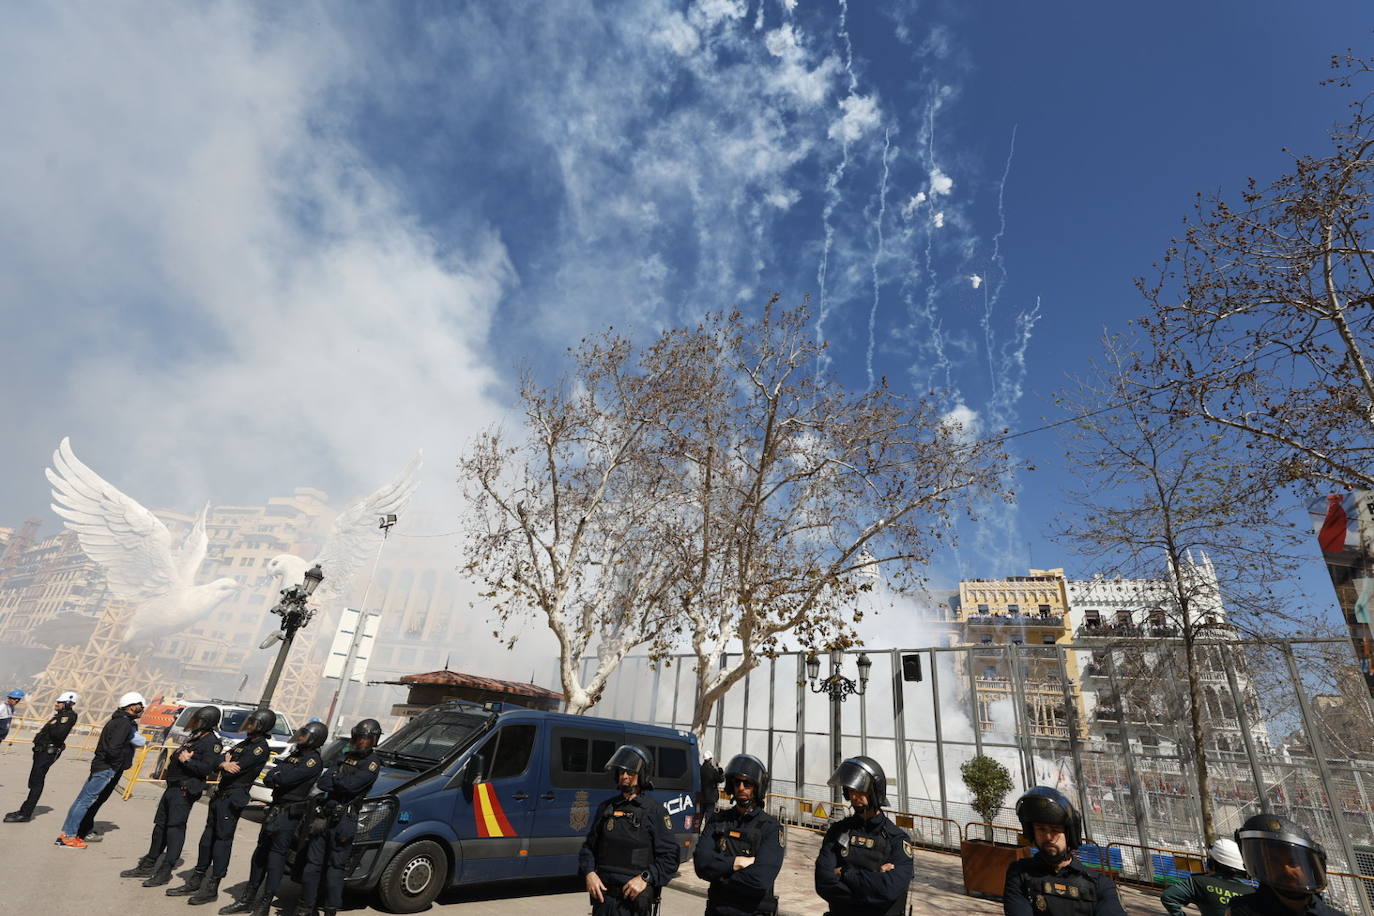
<point x="231" y="797"/>
<point x="1034" y="886"/>
<point x="185" y="783"/>
<point x="860" y="847"/>
<point x="343" y="787"/>
<point x="730" y="833"/>
<point x="1210" y="893"/>
<point x="48" y="745"/>
<point x="629" y="837"/>
<point x="290" y="780"/>
<point x="1264" y="902"/>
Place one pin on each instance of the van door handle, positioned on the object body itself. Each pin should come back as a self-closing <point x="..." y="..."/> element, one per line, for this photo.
<point x="519" y="796"/>
<point x="548" y="796"/>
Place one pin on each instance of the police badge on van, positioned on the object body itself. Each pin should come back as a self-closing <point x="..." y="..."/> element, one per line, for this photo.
<point x="579" y="815"/>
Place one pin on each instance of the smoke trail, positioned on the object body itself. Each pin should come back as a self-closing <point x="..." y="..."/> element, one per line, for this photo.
<point x="832" y="192"/>
<point x="992" y="294"/>
<point x="878" y="250"/>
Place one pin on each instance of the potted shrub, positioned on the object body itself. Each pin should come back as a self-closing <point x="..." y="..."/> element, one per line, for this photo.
<point x="985" y="861"/>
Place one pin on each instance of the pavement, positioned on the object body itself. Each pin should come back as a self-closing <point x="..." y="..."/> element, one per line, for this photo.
<point x="42" y="878"/>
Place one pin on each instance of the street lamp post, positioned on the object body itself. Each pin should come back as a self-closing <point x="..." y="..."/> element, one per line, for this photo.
<point x="294" y="614"/>
<point x="839" y="688"/>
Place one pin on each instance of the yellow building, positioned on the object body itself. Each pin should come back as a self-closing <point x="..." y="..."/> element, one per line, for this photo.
<point x="1029" y="612"/>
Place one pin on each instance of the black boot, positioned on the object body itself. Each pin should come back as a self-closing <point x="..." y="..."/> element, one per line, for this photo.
<point x="242" y="904"/>
<point x="143" y="869"/>
<point x="208" y="893"/>
<point x="18" y="817"/>
<point x="264" y="906"/>
<point x="162" y="876"/>
<point x="193" y="882"/>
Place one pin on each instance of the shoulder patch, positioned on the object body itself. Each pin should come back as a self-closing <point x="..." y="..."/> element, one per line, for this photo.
<point x="782" y="836"/>
<point x="372" y="766"/>
<point x="667" y="822"/>
<point x="311" y="762"/>
<point x="909" y="848"/>
<point x="61" y="720"/>
<point x="219" y="748"/>
<point x="257" y="751"/>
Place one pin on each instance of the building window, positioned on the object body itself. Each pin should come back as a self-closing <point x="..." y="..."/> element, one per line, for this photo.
<point x="1044" y="610"/>
<point x="1047" y="639"/>
<point x="1013" y="609"/>
<point x="982" y="608"/>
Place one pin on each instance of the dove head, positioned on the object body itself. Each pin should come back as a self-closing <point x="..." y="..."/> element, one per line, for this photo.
<point x="288" y="569"/>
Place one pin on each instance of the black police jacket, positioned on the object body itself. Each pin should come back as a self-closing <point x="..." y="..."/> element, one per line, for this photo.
<point x="251" y="756"/>
<point x="1210" y="893"/>
<point x="1034" y="886"/>
<point x="1264" y="902"/>
<point x="731" y="833"/>
<point x="350" y="780"/>
<point x="629" y="837"/>
<point x="52" y="737"/>
<point x="858" y="848"/>
<point x="113" y="750"/>
<point x="293" y="776"/>
<point x="190" y="775"/>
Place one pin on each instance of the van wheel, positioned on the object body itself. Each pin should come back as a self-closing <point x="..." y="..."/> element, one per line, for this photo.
<point x="414" y="877"/>
<point x="160" y="768"/>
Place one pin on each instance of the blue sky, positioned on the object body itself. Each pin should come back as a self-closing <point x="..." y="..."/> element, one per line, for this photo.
<point x="249" y="248"/>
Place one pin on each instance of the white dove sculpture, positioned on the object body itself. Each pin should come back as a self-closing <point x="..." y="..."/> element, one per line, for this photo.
<point x="351" y="540"/>
<point x="134" y="548"/>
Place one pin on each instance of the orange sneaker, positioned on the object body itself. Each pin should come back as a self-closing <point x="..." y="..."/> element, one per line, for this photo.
<point x="71" y="842"/>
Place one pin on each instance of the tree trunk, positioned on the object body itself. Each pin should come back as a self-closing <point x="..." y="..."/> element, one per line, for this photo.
<point x="1198" y="739"/>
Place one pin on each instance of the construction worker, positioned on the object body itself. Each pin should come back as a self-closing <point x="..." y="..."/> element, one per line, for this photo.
<point x="741" y="848"/>
<point x="865" y="862"/>
<point x="114" y="753"/>
<point x="343" y="789"/>
<point x="48" y="745"/>
<point x="240" y="766"/>
<point x="187" y="770"/>
<point x="630" y="851"/>
<point x="12" y="699"/>
<point x="290" y="780"/>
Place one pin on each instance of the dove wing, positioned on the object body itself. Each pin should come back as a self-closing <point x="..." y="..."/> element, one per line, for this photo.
<point x="192" y="551"/>
<point x="355" y="536"/>
<point x="129" y="542"/>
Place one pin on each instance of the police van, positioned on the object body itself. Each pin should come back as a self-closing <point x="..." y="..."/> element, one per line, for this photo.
<point x="472" y="793"/>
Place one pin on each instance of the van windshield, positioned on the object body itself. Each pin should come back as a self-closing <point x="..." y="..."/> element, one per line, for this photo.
<point x="430" y="737"/>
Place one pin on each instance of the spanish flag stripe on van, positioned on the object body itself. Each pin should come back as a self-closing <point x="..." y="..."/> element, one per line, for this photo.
<point x="486" y="809"/>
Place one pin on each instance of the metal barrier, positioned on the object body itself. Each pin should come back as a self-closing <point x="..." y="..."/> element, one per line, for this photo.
<point x="926" y="830"/>
<point x="1157" y="866"/>
<point x="1009" y="835"/>
<point x="802" y="813"/>
<point x="83" y="736"/>
<point x="1350" y="892"/>
<point x="922" y="829"/>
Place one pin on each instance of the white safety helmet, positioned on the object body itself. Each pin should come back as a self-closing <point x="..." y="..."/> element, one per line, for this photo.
<point x="68" y="697"/>
<point x="131" y="698"/>
<point x="1226" y="852"/>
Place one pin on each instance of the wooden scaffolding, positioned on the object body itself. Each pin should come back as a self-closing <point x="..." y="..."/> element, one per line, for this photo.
<point x="102" y="670"/>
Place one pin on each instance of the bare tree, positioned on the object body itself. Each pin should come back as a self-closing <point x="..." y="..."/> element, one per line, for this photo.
<point x="796" y="492"/>
<point x="1156" y="494"/>
<point x="566" y="522"/>
<point x="1263" y="315"/>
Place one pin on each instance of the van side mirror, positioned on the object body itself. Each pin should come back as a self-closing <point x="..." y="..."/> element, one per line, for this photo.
<point x="471" y="771"/>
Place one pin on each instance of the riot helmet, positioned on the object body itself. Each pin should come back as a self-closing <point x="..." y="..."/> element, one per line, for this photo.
<point x="260" y="722"/>
<point x="747" y="768"/>
<point x="631" y="758"/>
<point x="861" y="774"/>
<point x="1224" y="858"/>
<point x="1282" y="855"/>
<point x="1043" y="805"/>
<point x="368" y="730"/>
<point x="311" y="736"/>
<point x="205" y="719"/>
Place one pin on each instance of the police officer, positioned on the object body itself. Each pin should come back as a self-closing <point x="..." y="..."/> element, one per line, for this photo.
<point x="1053" y="881"/>
<point x="48" y="745"/>
<point x="741" y="848"/>
<point x="1289" y="865"/>
<point x="864" y="866"/>
<point x="290" y="780"/>
<point x="630" y="851"/>
<point x="343" y="788"/>
<point x="187" y="770"/>
<point x="240" y="766"/>
<point x="1212" y="891"/>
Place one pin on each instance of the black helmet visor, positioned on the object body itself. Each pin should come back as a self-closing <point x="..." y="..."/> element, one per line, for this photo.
<point x="855" y="777"/>
<point x="1284" y="866"/>
<point x="746" y="768"/>
<point x="629" y="758"/>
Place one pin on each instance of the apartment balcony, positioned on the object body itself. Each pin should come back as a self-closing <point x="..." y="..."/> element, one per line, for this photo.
<point x="1029" y="686"/>
<point x="1028" y="621"/>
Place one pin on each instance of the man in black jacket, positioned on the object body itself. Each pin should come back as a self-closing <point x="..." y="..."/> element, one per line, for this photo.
<point x="290" y="780"/>
<point x="711" y="778"/>
<point x="1053" y="881"/>
<point x="343" y="788"/>
<point x="240" y="766"/>
<point x="48" y="745"/>
<point x="187" y="770"/>
<point x="1289" y="865"/>
<point x="113" y="754"/>
<point x="741" y="848"/>
<point x="865" y="864"/>
<point x="630" y="851"/>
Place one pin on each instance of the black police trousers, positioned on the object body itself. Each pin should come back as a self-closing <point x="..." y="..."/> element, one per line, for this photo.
<point x="325" y="860"/>
<point x="169" y="824"/>
<point x="217" y="840"/>
<point x="616" y="905"/>
<point x="269" y="856"/>
<point x="38" y="775"/>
